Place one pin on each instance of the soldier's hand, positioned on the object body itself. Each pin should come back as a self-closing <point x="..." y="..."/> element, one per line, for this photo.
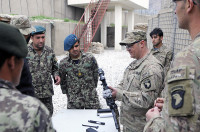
<point x="114" y="91"/>
<point x="159" y="102"/>
<point x="107" y="93"/>
<point x="151" y="113"/>
<point x="57" y="78"/>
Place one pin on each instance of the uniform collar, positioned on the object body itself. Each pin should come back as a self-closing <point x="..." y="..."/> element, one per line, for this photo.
<point x="197" y="37"/>
<point x="159" y="49"/>
<point x="6" y="84"/>
<point x="82" y="55"/>
<point x="135" y="64"/>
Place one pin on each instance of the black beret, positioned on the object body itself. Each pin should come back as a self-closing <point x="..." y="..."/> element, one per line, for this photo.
<point x="12" y="41"/>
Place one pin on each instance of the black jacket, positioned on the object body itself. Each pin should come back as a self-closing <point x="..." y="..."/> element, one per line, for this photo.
<point x="25" y="86"/>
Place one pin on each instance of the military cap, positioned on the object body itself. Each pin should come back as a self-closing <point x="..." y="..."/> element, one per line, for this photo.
<point x="23" y="24"/>
<point x="134" y="36"/>
<point x="69" y="41"/>
<point x="5" y="18"/>
<point x="12" y="41"/>
<point x="39" y="30"/>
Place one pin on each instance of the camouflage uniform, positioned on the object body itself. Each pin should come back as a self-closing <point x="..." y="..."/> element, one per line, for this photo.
<point x="41" y="68"/>
<point x="164" y="55"/>
<point x="181" y="110"/>
<point x="138" y="89"/>
<point x="22" y="113"/>
<point x="79" y="82"/>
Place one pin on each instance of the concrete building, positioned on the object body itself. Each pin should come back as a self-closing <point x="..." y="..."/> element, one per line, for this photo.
<point x="116" y="6"/>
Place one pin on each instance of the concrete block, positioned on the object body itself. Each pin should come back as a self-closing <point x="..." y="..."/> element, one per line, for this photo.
<point x="72" y="27"/>
<point x="60" y="32"/>
<point x="96" y="48"/>
<point x="5" y="7"/>
<point x="24" y="8"/>
<point x="15" y="7"/>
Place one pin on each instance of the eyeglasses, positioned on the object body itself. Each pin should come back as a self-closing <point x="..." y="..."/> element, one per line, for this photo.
<point x="130" y="45"/>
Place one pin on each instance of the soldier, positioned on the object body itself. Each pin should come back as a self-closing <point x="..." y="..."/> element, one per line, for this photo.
<point x="23" y="24"/>
<point x="43" y="65"/>
<point x="141" y="83"/>
<point x="180" y="110"/>
<point x="18" y="112"/>
<point x="159" y="50"/>
<point x="79" y="76"/>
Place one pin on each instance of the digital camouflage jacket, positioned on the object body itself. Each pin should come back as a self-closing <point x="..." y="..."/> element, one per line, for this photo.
<point x="79" y="81"/>
<point x="164" y="55"/>
<point x="42" y="68"/>
<point x="140" y="86"/>
<point x="22" y="113"/>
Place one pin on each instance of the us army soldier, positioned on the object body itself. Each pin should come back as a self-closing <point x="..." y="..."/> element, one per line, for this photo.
<point x="141" y="83"/>
<point x="181" y="109"/>
<point x="159" y="50"/>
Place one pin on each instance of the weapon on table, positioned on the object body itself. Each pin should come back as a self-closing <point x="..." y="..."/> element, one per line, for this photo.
<point x="109" y="100"/>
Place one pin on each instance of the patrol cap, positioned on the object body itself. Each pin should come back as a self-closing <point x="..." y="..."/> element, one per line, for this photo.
<point x="12" y="41"/>
<point x="69" y="41"/>
<point x="134" y="36"/>
<point x="5" y="18"/>
<point x="38" y="30"/>
<point x="23" y="24"/>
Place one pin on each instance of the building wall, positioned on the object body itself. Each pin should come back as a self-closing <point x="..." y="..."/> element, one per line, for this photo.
<point x="49" y="8"/>
<point x="138" y="18"/>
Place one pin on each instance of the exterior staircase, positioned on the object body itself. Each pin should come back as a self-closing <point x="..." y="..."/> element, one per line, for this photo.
<point x="87" y="27"/>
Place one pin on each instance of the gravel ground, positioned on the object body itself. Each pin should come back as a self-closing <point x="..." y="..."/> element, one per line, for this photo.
<point x="112" y="62"/>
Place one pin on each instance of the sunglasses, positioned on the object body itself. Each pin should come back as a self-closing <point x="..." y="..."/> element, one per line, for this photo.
<point x="130" y="45"/>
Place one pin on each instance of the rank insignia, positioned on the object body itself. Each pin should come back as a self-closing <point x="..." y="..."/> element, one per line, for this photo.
<point x="79" y="74"/>
<point x="177" y="98"/>
<point x="147" y="84"/>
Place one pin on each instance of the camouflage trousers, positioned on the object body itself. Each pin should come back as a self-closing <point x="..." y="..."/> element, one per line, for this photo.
<point x="48" y="103"/>
<point x="82" y="105"/>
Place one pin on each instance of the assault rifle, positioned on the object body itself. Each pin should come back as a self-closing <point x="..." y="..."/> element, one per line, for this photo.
<point x="109" y="100"/>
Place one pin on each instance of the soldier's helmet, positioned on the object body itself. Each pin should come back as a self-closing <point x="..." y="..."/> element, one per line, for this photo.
<point x="134" y="36"/>
<point x="23" y="23"/>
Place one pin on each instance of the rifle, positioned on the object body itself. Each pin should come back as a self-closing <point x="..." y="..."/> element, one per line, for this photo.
<point x="110" y="101"/>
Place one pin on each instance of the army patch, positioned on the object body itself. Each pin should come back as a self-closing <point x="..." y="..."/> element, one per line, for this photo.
<point x="147" y="84"/>
<point x="177" y="98"/>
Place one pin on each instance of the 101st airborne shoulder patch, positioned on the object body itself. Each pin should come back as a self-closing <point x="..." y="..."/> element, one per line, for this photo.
<point x="180" y="91"/>
<point x="177" y="97"/>
<point x="147" y="84"/>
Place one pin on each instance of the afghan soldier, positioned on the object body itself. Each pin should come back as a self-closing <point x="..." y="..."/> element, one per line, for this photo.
<point x="79" y="76"/>
<point x="180" y="110"/>
<point x="43" y="65"/>
<point x="159" y="50"/>
<point x="19" y="112"/>
<point x="141" y="83"/>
